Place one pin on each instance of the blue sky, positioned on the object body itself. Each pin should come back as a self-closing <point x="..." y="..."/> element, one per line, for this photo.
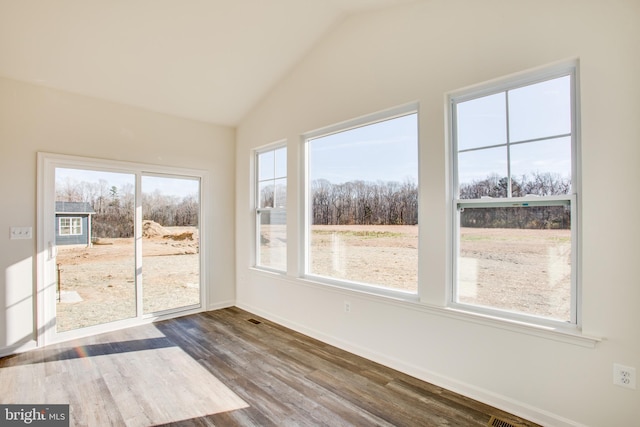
<point x="382" y="151"/>
<point x="541" y="110"/>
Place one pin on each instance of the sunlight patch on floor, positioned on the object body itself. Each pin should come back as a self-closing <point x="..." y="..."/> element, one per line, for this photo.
<point x="146" y="387"/>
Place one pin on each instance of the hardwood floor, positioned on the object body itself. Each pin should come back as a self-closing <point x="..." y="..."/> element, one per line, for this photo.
<point x="220" y="369"/>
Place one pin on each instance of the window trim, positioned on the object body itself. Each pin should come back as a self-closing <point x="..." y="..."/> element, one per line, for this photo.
<point x="527" y="78"/>
<point x="306" y="214"/>
<point x="256" y="202"/>
<point x="46" y="248"/>
<point x="71" y="227"/>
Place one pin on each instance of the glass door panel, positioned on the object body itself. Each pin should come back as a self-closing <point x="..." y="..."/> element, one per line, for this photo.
<point x="170" y="243"/>
<point x="94" y="237"/>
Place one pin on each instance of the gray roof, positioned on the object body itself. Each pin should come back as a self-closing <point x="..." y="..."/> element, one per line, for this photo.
<point x="74" y="207"/>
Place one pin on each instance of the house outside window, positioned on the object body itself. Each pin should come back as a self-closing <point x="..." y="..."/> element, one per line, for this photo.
<point x="516" y="187"/>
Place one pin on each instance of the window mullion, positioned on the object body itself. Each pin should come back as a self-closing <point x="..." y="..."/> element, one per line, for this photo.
<point x="509" y="180"/>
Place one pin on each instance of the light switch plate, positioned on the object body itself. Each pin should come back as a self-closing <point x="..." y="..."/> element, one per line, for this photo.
<point x="21" y="233"/>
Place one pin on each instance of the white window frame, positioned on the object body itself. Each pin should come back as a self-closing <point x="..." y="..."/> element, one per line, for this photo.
<point x="271" y="210"/>
<point x="72" y="230"/>
<point x="305" y="241"/>
<point x="568" y="68"/>
<point x="46" y="300"/>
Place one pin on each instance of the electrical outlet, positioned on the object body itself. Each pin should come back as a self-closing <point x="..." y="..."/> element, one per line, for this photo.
<point x="624" y="376"/>
<point x="347" y="307"/>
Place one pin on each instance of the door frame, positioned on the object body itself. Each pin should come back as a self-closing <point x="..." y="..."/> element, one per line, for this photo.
<point x="46" y="279"/>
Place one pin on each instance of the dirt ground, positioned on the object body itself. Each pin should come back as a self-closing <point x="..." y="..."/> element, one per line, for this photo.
<point x="527" y="271"/>
<point x="98" y="283"/>
<point x="519" y="270"/>
<point x="384" y="255"/>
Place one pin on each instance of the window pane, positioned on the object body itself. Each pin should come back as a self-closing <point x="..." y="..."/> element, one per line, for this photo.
<point x="266" y="194"/>
<point x="266" y="166"/>
<point x="96" y="266"/>
<point x="542" y="168"/>
<point x="170" y="243"/>
<point x="483" y="173"/>
<point x="364" y="204"/>
<point x="516" y="259"/>
<point x="482" y="122"/>
<point x="540" y="110"/>
<point x="281" y="162"/>
<point x="272" y="232"/>
<point x="280" y="198"/>
<point x="76" y="226"/>
<point x="384" y="255"/>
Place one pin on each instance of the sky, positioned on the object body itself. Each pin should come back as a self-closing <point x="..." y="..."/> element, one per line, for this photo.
<point x="533" y="112"/>
<point x="382" y="151"/>
<point x="179" y="187"/>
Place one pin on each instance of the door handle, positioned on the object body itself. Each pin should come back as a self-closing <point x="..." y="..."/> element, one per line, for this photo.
<point x="53" y="251"/>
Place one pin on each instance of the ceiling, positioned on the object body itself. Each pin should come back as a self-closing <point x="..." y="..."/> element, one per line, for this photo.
<point x="209" y="60"/>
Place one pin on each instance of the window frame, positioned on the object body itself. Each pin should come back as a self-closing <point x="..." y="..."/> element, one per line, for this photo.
<point x="271" y="210"/>
<point x="47" y="250"/>
<point x="568" y="68"/>
<point x="306" y="211"/>
<point x="71" y="227"/>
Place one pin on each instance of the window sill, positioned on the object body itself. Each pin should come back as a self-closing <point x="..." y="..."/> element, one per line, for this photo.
<point x="362" y="289"/>
<point x="568" y="334"/>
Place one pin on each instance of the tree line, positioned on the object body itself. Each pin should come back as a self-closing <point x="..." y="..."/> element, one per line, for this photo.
<point x="364" y="203"/>
<point x="115" y="207"/>
<point x="394" y="203"/>
<point x="534" y="217"/>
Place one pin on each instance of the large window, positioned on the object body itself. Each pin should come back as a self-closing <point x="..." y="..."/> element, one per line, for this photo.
<point x="271" y="213"/>
<point x="362" y="210"/>
<point x="515" y="181"/>
<point x="70" y="226"/>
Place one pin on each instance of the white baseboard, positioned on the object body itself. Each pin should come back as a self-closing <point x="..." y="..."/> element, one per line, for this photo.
<point x="220" y="305"/>
<point x="504" y="403"/>
<point x="18" y="348"/>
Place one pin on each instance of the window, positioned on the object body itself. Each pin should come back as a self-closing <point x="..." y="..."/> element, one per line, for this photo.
<point x="148" y="247"/>
<point x="271" y="212"/>
<point x="515" y="181"/>
<point x="362" y="203"/>
<point x="71" y="226"/>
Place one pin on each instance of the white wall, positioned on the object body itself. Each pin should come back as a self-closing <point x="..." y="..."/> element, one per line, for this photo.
<point x="419" y="52"/>
<point x="34" y="119"/>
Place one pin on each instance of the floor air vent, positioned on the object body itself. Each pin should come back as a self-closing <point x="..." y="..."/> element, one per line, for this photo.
<point x="254" y="321"/>
<point x="497" y="422"/>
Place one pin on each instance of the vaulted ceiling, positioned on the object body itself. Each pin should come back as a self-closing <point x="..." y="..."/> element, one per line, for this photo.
<point x="209" y="60"/>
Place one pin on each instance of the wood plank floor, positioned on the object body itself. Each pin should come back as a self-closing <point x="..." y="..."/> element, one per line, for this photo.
<point x="220" y="369"/>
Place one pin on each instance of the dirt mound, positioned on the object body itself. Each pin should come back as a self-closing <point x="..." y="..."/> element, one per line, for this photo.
<point x="153" y="229"/>
<point x="187" y="235"/>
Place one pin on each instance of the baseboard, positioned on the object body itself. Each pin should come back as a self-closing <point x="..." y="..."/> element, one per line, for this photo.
<point x="501" y="402"/>
<point x="18" y="348"/>
<point x="220" y="305"/>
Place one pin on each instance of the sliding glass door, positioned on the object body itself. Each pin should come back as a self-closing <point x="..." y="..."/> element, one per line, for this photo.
<point x="95" y="258"/>
<point x="170" y="243"/>
<point x="120" y="243"/>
